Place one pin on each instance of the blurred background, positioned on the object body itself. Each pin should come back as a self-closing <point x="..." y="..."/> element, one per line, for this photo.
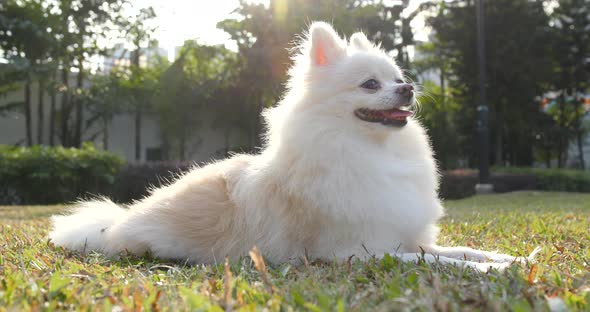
<point x="183" y="80"/>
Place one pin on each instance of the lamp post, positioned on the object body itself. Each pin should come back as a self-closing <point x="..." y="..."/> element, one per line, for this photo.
<point x="484" y="185"/>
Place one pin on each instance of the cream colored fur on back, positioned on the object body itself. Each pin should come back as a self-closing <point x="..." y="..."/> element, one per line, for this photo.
<point x="327" y="184"/>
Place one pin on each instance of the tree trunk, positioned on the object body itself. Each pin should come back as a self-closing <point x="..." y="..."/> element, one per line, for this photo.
<point x="182" y="145"/>
<point x="562" y="131"/>
<point x="65" y="107"/>
<point x="105" y="134"/>
<point x="525" y="157"/>
<point x="258" y="127"/>
<point x="581" y="149"/>
<point x="41" y="112"/>
<point x="79" y="112"/>
<point x="498" y="154"/>
<point x="27" y="107"/>
<point x="135" y="62"/>
<point x="442" y="87"/>
<point x="165" y="147"/>
<point x="443" y="120"/>
<point x="579" y="134"/>
<point x="138" y="135"/>
<point x="52" y="102"/>
<point x="498" y="160"/>
<point x="226" y="142"/>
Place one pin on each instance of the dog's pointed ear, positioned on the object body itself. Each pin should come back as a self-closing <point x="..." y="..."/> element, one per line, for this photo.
<point x="326" y="46"/>
<point x="360" y="42"/>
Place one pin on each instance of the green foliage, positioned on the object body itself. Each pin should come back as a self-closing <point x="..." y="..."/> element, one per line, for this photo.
<point x="571" y="47"/>
<point x="555" y="179"/>
<point x="42" y="37"/>
<point x="544" y="53"/>
<point x="530" y="50"/>
<point x="10" y="74"/>
<point x="435" y="112"/>
<point x="107" y="97"/>
<point x="36" y="274"/>
<point x="198" y="88"/>
<point x="23" y="32"/>
<point x="265" y="33"/>
<point x="45" y="175"/>
<point x="515" y="76"/>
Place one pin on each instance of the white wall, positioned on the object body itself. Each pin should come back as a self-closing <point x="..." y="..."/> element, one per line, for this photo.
<point x="206" y="142"/>
<point x="121" y="130"/>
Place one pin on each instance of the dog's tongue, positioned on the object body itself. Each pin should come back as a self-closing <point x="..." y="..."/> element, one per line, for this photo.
<point x="396" y="113"/>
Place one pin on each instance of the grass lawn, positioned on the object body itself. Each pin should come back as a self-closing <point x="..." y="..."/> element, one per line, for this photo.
<point x="34" y="275"/>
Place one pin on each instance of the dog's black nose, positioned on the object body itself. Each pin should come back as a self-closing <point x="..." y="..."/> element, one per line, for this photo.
<point x="406" y="90"/>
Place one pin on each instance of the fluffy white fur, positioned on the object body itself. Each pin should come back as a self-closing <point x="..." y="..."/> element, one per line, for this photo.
<point x="327" y="184"/>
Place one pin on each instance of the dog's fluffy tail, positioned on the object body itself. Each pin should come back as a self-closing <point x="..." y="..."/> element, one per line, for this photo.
<point x="87" y="228"/>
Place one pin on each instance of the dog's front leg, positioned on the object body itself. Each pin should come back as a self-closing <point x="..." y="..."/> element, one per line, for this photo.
<point x="430" y="258"/>
<point x="471" y="254"/>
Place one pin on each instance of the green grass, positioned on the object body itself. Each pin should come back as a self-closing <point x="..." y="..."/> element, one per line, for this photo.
<point x="35" y="275"/>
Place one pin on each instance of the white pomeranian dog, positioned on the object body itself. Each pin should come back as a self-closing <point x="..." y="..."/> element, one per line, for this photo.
<point x="346" y="171"/>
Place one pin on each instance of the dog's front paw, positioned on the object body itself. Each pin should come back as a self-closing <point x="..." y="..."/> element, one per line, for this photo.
<point x="531" y="257"/>
<point x="503" y="258"/>
<point x="486" y="266"/>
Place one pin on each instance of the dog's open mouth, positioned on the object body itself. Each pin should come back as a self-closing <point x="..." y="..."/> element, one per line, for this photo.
<point x="390" y="117"/>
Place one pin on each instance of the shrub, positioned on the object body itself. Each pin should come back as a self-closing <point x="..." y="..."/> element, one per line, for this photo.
<point x="509" y="182"/>
<point x="455" y="184"/>
<point x="134" y="181"/>
<point x="461" y="183"/>
<point x="48" y="175"/>
<point x="554" y="179"/>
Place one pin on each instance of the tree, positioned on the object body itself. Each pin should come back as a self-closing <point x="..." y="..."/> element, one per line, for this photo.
<point x="25" y="42"/>
<point x="44" y="36"/>
<point x="514" y="55"/>
<point x="106" y="97"/>
<point x="436" y="104"/>
<point x="139" y="32"/>
<point x="263" y="32"/>
<point x="434" y="114"/>
<point x="10" y="75"/>
<point x="82" y="25"/>
<point x="566" y="114"/>
<point x="194" y="84"/>
<point x="571" y="50"/>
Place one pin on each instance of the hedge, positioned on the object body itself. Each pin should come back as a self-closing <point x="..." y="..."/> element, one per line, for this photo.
<point x="456" y="184"/>
<point x="554" y="179"/>
<point x="50" y="175"/>
<point x="461" y="183"/>
<point x="135" y="180"/>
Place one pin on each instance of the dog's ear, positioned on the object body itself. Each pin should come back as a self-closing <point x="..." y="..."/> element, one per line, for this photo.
<point x="360" y="42"/>
<point x="326" y="46"/>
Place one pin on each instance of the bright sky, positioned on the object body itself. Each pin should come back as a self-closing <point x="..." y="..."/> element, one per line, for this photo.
<point x="179" y="20"/>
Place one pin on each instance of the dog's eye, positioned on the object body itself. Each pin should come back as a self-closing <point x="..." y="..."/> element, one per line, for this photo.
<point x="399" y="81"/>
<point x="371" y="84"/>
